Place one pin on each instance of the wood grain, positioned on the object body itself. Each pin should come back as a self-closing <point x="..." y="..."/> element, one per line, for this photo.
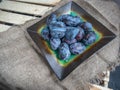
<point x="14" y="18"/>
<point x="4" y="27"/>
<point x="45" y="2"/>
<point x="24" y="7"/>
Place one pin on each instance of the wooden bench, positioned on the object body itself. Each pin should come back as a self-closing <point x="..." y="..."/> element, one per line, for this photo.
<point x="15" y="12"/>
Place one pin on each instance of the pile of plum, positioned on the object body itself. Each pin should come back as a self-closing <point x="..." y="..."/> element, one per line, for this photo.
<point x="68" y="35"/>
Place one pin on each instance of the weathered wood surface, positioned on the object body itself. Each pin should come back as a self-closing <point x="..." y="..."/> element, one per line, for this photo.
<point x="44" y="2"/>
<point x="26" y="69"/>
<point x="96" y="87"/>
<point x="4" y="27"/>
<point x="14" y="18"/>
<point x="24" y="7"/>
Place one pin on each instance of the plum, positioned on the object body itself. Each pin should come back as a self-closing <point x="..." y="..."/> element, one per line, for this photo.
<point x="80" y="35"/>
<point x="57" y="34"/>
<point x="62" y="17"/>
<point x="87" y="26"/>
<point x="89" y="38"/>
<point x="54" y="43"/>
<point x="70" y="20"/>
<point x="57" y="26"/>
<point x="69" y="41"/>
<point x="64" y="52"/>
<point x="45" y="34"/>
<point x="51" y="18"/>
<point x="57" y="29"/>
<point x="77" y="48"/>
<point x="71" y="33"/>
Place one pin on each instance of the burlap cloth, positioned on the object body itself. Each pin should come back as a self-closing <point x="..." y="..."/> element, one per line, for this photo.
<point x="22" y="68"/>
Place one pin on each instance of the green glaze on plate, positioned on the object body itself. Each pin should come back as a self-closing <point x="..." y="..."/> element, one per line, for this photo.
<point x="65" y="63"/>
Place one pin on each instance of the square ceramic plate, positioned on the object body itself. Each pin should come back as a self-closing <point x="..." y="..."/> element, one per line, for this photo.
<point x="62" y="68"/>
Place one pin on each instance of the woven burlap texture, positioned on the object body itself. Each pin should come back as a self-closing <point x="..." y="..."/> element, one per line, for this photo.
<point x="22" y="67"/>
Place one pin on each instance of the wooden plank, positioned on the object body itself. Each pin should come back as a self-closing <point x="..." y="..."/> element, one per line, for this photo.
<point x="45" y="2"/>
<point x="24" y="7"/>
<point x="4" y="27"/>
<point x="96" y="87"/>
<point x="14" y="18"/>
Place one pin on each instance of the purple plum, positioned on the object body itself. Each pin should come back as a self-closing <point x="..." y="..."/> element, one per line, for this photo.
<point x="77" y="48"/>
<point x="71" y="33"/>
<point x="64" y="52"/>
<point x="55" y="43"/>
<point x="89" y="38"/>
<point x="45" y="34"/>
<point x="80" y="35"/>
<point x="57" y="29"/>
<point x="69" y="20"/>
